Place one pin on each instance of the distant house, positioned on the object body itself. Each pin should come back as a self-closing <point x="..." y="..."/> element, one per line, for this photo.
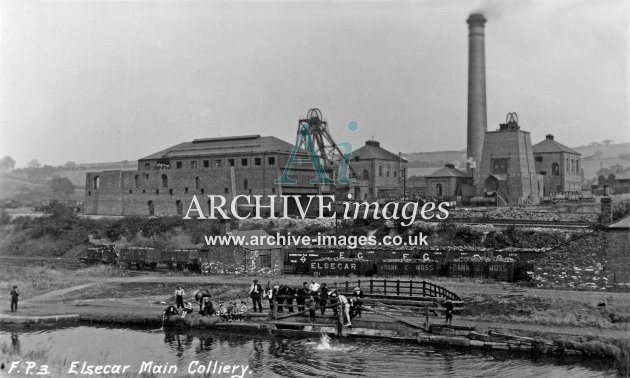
<point x="559" y="166"/>
<point x="379" y="172"/>
<point x="620" y="182"/>
<point x="447" y="181"/>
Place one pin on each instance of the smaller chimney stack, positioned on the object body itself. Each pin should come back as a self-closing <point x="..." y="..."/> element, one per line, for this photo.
<point x="549" y="136"/>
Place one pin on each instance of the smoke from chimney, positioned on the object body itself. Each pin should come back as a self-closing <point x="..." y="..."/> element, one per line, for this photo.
<point x="477" y="119"/>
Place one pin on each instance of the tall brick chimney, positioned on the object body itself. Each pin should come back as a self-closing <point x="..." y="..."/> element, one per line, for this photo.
<point x="477" y="123"/>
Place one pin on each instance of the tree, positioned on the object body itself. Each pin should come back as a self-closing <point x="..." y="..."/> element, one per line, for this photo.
<point x="34" y="163"/>
<point x="607" y="142"/>
<point x="61" y="186"/>
<point x="7" y="163"/>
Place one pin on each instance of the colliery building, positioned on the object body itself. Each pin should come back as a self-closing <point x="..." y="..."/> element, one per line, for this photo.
<point x="558" y="165"/>
<point x="166" y="181"/>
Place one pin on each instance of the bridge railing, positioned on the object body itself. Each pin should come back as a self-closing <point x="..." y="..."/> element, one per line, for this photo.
<point x="399" y="287"/>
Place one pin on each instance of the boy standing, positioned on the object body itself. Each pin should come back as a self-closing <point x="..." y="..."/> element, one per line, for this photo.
<point x="14" y="298"/>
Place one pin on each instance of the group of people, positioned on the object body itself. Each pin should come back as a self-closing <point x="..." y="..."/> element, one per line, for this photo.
<point x="230" y="312"/>
<point x="309" y="297"/>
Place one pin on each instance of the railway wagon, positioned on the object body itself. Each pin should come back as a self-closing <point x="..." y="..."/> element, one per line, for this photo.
<point x="408" y="268"/>
<point x="180" y="258"/>
<point x="298" y="261"/>
<point x="141" y="257"/>
<point x="341" y="267"/>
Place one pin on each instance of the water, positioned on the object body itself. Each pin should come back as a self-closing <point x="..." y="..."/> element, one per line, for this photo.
<point x="277" y="357"/>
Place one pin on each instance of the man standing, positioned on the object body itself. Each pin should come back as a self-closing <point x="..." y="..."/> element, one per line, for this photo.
<point x="302" y="293"/>
<point x="323" y="297"/>
<point x="345" y="309"/>
<point x="449" y="312"/>
<point x="14" y="298"/>
<point x="255" y="292"/>
<point x="179" y="297"/>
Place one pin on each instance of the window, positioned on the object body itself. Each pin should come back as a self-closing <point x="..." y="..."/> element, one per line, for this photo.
<point x="538" y="158"/>
<point x="196" y="182"/>
<point x="170" y="191"/>
<point x="217" y="163"/>
<point x="387" y="171"/>
<point x="203" y="190"/>
<point x="231" y="162"/>
<point x="157" y="191"/>
<point x="227" y="190"/>
<point x="271" y="160"/>
<point x="147" y="165"/>
<point x="395" y="172"/>
<point x="257" y="161"/>
<point x="380" y="171"/>
<point x="97" y="182"/>
<point x="438" y="190"/>
<point x="366" y="174"/>
<point x="186" y="190"/>
<point x="164" y="181"/>
<point x="206" y="163"/>
<point x="146" y="176"/>
<point x="193" y="164"/>
<point x="89" y="193"/>
<point x="244" y="162"/>
<point x="265" y="261"/>
<point x="273" y="190"/>
<point x="555" y="169"/>
<point x="577" y="166"/>
<point x="245" y="183"/>
<point x="135" y="181"/>
<point x="151" y="208"/>
<point x="178" y="165"/>
<point x="144" y="191"/>
<point x="544" y="173"/>
<point x="130" y="191"/>
<point x="499" y="166"/>
<point x="179" y="207"/>
<point x="567" y="165"/>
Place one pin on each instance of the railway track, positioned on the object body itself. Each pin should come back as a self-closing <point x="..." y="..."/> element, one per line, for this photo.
<point x="519" y="223"/>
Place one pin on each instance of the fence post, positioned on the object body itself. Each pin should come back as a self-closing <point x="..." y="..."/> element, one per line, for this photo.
<point x="385" y="286"/>
<point x="427" y="318"/>
<point x="397" y="287"/>
<point x="410" y="288"/>
<point x="347" y="286"/>
<point x="424" y="288"/>
<point x="371" y="286"/>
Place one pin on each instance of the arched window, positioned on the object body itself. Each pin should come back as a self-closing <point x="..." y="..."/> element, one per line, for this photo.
<point x="380" y="171"/>
<point x="438" y="190"/>
<point x="387" y="171"/>
<point x="97" y="182"/>
<point x="366" y="174"/>
<point x="555" y="169"/>
<point x="577" y="166"/>
<point x="135" y="181"/>
<point x="164" y="181"/>
<point x="567" y="166"/>
<point x="196" y="182"/>
<point x="245" y="183"/>
<point x="151" y="208"/>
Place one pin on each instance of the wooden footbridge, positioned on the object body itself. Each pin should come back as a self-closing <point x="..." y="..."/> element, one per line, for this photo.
<point x="394" y="305"/>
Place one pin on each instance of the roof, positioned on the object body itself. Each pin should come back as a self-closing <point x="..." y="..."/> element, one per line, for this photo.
<point x="625" y="175"/>
<point x="549" y="145"/>
<point x="422" y="172"/>
<point x="621" y="224"/>
<point x="222" y="146"/>
<point x="373" y="150"/>
<point x="448" y="171"/>
<point x="248" y="234"/>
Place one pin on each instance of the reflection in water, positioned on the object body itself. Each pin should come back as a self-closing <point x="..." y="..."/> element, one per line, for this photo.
<point x="272" y="356"/>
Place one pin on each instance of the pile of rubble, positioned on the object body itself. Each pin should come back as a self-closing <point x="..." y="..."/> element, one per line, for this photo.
<point x="580" y="264"/>
<point x="505" y="213"/>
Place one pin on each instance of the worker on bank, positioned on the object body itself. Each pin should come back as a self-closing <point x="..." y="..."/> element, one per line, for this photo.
<point x="255" y="293"/>
<point x="302" y="294"/>
<point x="14" y="298"/>
<point x="311" y="305"/>
<point x="179" y="297"/>
<point x="169" y="311"/>
<point x="188" y="309"/>
<point x="358" y="301"/>
<point x="207" y="307"/>
<point x="200" y="296"/>
<point x="289" y="296"/>
<point x="332" y="299"/>
<point x="323" y="298"/>
<point x="448" y="305"/>
<point x="344" y="303"/>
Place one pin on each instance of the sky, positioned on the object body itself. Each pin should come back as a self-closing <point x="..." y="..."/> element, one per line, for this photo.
<point x="102" y="81"/>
